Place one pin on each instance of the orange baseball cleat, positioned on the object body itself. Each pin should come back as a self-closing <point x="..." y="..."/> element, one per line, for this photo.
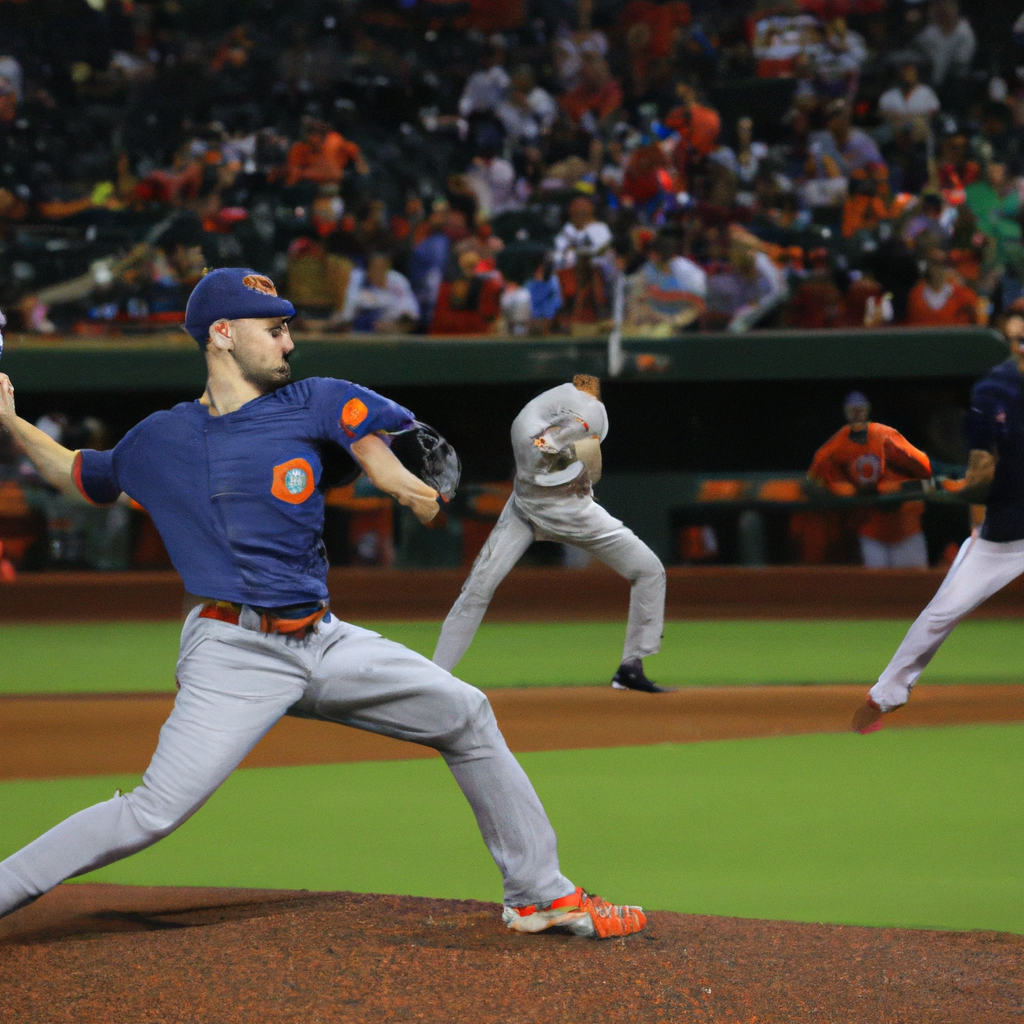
<point x="579" y="913"/>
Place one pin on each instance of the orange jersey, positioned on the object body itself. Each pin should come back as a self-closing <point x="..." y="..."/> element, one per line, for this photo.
<point x="881" y="462"/>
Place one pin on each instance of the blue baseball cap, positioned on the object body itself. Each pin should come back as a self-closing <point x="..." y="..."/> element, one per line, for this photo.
<point x="232" y="293"/>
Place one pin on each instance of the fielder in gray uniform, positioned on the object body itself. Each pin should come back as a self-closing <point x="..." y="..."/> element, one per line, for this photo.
<point x="556" y="440"/>
<point x="234" y="485"/>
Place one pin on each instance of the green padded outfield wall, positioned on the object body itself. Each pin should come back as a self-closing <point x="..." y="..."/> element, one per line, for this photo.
<point x="170" y="362"/>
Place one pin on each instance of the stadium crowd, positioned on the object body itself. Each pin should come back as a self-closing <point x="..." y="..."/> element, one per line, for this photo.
<point x="475" y="166"/>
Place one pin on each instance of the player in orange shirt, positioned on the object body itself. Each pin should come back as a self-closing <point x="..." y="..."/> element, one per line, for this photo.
<point x="870" y="458"/>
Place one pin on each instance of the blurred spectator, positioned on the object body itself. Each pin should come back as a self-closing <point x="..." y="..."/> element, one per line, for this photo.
<point x="696" y="127"/>
<point x="948" y="43"/>
<point x="745" y="295"/>
<point x="545" y="297"/>
<point x="528" y="111"/>
<point x="470" y="303"/>
<point x="995" y="202"/>
<point x="430" y="257"/>
<point x="839" y="58"/>
<point x="597" y="96"/>
<point x="667" y="293"/>
<point x="379" y="299"/>
<point x="486" y="88"/>
<point x="322" y="155"/>
<point x="841" y="148"/>
<point x="745" y="161"/>
<point x="939" y="299"/>
<point x="583" y="235"/>
<point x="870" y="201"/>
<point x="910" y="104"/>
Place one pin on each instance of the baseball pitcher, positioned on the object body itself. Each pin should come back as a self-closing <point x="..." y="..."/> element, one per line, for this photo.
<point x="556" y="440"/>
<point x="233" y="483"/>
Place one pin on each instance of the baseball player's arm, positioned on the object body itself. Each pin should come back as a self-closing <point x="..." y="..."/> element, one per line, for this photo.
<point x="902" y="457"/>
<point x="558" y="436"/>
<point x="822" y="475"/>
<point x="53" y="461"/>
<point x="974" y="487"/>
<point x="381" y="465"/>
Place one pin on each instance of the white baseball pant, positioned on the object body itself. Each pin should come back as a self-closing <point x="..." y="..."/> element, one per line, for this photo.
<point x="980" y="569"/>
<point x="236" y="683"/>
<point x="911" y="553"/>
<point x="569" y="519"/>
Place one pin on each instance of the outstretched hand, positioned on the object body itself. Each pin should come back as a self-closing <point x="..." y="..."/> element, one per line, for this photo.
<point x="7" y="411"/>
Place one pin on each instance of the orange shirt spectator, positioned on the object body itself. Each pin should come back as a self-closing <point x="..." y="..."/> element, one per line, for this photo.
<point x="322" y="157"/>
<point x="698" y="128"/>
<point x="939" y="299"/>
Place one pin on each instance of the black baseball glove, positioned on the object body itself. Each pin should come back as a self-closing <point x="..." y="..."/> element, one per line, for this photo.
<point x="425" y="453"/>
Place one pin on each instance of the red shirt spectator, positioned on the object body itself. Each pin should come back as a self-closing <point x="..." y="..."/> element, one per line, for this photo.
<point x="470" y="304"/>
<point x="598" y="92"/>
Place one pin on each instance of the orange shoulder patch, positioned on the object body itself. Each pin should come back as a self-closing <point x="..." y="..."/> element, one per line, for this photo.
<point x="259" y="283"/>
<point x="293" y="481"/>
<point x="353" y="413"/>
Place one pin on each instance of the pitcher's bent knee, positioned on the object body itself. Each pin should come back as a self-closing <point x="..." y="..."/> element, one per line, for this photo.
<point x="470" y="720"/>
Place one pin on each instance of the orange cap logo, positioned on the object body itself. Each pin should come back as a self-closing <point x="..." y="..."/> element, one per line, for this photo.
<point x="353" y="413"/>
<point x="293" y="481"/>
<point x="259" y="283"/>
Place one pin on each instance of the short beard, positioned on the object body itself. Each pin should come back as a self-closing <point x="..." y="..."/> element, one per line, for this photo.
<point x="265" y="381"/>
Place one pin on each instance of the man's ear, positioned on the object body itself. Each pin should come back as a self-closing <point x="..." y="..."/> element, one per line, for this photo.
<point x="221" y="335"/>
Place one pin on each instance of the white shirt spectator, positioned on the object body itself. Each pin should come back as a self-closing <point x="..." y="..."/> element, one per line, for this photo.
<point x="569" y="50"/>
<point x="903" y="108"/>
<point x="529" y="123"/>
<point x="494" y="183"/>
<point x="949" y="54"/>
<point x="366" y="305"/>
<point x="594" y="239"/>
<point x="483" y="91"/>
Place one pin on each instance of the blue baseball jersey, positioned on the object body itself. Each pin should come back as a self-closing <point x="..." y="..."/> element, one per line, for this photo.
<point x="995" y="424"/>
<point x="237" y="498"/>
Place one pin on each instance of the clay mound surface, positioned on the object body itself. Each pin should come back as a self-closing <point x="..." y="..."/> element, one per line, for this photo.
<point x="90" y="953"/>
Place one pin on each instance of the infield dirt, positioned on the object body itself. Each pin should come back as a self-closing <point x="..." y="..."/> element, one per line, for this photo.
<point x="91" y="953"/>
<point x="53" y="737"/>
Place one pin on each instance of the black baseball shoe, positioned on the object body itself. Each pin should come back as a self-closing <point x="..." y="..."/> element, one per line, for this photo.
<point x="630" y="676"/>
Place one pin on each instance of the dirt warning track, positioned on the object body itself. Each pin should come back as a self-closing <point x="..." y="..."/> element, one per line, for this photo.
<point x="52" y="737"/>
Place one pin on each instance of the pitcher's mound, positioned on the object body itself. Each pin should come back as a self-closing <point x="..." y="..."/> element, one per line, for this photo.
<point x="123" y="954"/>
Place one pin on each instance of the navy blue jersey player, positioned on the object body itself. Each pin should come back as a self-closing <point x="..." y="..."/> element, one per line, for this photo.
<point x="994" y="554"/>
<point x="234" y="484"/>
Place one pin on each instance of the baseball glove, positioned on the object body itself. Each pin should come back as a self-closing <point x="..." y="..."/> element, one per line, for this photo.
<point x="425" y="453"/>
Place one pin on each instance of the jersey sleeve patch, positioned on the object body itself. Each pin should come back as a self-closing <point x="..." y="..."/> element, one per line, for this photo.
<point x="294" y="481"/>
<point x="353" y="414"/>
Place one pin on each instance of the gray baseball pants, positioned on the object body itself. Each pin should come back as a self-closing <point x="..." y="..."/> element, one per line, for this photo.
<point x="980" y="569"/>
<point x="569" y="519"/>
<point x="235" y="683"/>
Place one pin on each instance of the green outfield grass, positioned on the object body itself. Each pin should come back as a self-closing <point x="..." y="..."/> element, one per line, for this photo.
<point x="904" y="827"/>
<point x="117" y="657"/>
